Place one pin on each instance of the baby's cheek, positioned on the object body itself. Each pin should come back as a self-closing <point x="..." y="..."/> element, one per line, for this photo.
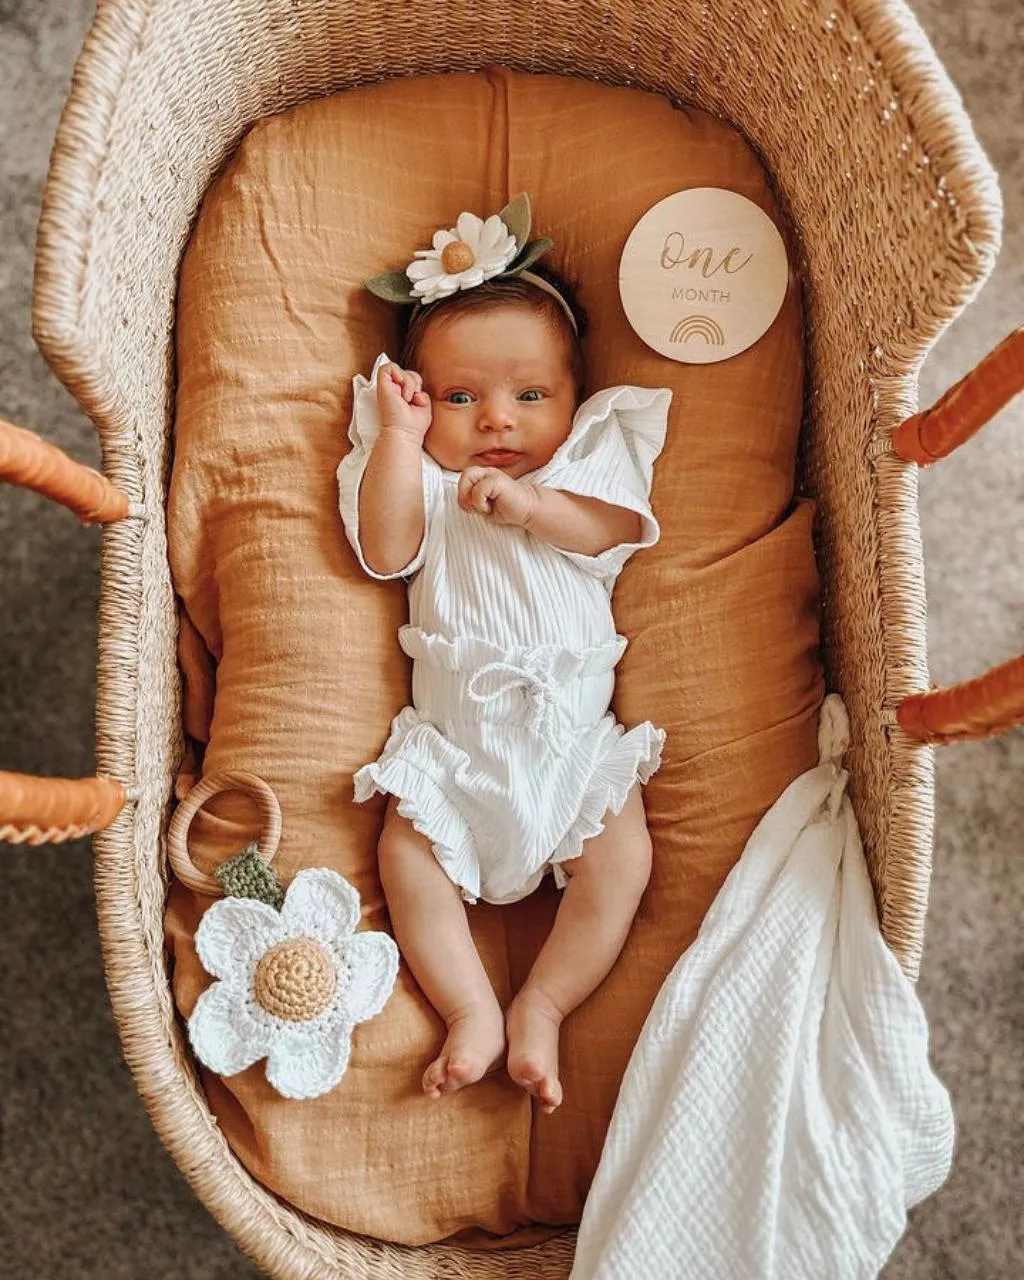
<point x="444" y="446"/>
<point x="553" y="439"/>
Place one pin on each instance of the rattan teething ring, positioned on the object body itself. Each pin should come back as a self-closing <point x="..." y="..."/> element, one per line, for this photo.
<point x="177" y="833"/>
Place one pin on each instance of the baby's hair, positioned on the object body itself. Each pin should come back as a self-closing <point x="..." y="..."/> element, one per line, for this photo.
<point x="510" y="291"/>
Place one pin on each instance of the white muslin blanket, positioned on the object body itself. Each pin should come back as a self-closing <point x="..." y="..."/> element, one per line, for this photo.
<point x="778" y="1116"/>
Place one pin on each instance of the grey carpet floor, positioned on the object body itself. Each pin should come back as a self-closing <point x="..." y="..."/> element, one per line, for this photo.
<point x="87" y="1189"/>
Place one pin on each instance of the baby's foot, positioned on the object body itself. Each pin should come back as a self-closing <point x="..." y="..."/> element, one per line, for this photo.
<point x="476" y="1040"/>
<point x="533" y="1022"/>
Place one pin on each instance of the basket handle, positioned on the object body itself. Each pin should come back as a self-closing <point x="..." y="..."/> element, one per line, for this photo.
<point x="49" y="810"/>
<point x="965" y="408"/>
<point x="33" y="463"/>
<point x="978" y="708"/>
<point x="994" y="702"/>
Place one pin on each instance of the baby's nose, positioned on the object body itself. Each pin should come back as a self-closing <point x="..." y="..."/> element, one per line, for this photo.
<point x="496" y="421"/>
<point x="495" y="418"/>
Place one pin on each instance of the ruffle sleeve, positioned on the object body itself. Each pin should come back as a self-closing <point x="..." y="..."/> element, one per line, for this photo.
<point x="609" y="454"/>
<point x="363" y="431"/>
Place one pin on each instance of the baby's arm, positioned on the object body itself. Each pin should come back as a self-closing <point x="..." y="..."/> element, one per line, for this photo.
<point x="575" y="523"/>
<point x="565" y="520"/>
<point x="391" y="516"/>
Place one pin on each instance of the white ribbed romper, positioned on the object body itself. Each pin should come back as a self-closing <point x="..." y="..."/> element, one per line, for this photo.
<point x="509" y="758"/>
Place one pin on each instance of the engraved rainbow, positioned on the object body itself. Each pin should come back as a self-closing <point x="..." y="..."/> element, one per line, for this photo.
<point x="694" y="327"/>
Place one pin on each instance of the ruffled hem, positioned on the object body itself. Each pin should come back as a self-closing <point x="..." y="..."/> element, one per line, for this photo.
<point x="422" y="768"/>
<point x="422" y="796"/>
<point x="635" y="757"/>
<point x="469" y="653"/>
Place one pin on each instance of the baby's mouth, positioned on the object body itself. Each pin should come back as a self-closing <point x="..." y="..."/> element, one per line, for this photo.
<point x="499" y="457"/>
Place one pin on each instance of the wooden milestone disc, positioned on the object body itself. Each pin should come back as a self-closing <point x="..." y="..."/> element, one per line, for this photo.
<point x="703" y="275"/>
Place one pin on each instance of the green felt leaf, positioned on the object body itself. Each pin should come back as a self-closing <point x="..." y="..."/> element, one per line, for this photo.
<point x="531" y="252"/>
<point x="516" y="216"/>
<point x="392" y="287"/>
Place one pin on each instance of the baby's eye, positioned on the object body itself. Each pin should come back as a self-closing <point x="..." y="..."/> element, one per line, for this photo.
<point x="533" y="394"/>
<point x="459" y="397"/>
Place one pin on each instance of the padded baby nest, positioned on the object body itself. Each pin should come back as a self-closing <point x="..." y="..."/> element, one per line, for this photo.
<point x="895" y="223"/>
<point x="292" y="667"/>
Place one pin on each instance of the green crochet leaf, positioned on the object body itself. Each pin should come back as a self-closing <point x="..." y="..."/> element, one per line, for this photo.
<point x="246" y="875"/>
<point x="392" y="287"/>
<point x="516" y="216"/>
<point x="531" y="252"/>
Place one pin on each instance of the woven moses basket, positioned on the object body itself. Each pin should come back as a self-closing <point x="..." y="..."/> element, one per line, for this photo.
<point x="897" y="215"/>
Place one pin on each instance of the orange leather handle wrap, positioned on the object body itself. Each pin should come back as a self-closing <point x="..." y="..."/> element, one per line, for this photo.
<point x="48" y="810"/>
<point x="32" y="463"/>
<point x="977" y="708"/>
<point x="965" y="407"/>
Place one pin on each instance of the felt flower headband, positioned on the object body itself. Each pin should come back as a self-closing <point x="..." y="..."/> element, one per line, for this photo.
<point x="463" y="256"/>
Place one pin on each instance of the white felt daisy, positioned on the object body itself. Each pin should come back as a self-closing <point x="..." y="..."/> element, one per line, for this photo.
<point x="469" y="253"/>
<point x="291" y="985"/>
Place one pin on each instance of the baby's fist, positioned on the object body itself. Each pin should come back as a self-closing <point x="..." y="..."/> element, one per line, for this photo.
<point x="402" y="403"/>
<point x="490" y="492"/>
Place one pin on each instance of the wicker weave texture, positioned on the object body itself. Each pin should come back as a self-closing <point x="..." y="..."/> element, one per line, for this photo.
<point x="896" y="216"/>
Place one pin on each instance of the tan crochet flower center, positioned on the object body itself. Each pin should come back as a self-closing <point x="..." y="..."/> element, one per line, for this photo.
<point x="295" y="980"/>
<point x="457" y="256"/>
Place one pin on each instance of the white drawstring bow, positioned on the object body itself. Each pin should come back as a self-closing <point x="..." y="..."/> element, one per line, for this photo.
<point x="547" y="719"/>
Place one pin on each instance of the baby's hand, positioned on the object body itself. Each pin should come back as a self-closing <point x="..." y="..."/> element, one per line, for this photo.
<point x="491" y="492"/>
<point x="402" y="403"/>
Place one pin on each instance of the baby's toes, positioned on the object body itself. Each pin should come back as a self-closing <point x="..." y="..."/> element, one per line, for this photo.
<point x="549" y="1092"/>
<point x="435" y="1077"/>
<point x="460" y="1071"/>
<point x="547" y="1089"/>
<point x="530" y="1074"/>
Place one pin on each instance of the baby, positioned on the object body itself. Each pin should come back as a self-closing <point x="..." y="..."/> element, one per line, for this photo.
<point x="512" y="511"/>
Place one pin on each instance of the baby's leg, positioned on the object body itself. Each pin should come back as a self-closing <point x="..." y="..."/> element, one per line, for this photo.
<point x="597" y="908"/>
<point x="429" y="920"/>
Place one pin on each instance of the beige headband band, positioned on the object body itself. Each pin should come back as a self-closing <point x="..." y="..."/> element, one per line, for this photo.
<point x="531" y="279"/>
<point x="550" y="288"/>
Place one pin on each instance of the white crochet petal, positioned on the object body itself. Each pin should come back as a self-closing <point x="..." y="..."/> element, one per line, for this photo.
<point x="235" y="932"/>
<point x="469" y="227"/>
<point x="320" y="903"/>
<point x="224" y="1035"/>
<point x="444" y="238"/>
<point x="471" y="278"/>
<point x="369" y="969"/>
<point x="309" y="1061"/>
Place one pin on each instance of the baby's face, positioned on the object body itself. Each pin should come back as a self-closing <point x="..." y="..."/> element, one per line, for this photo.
<point x="501" y="390"/>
